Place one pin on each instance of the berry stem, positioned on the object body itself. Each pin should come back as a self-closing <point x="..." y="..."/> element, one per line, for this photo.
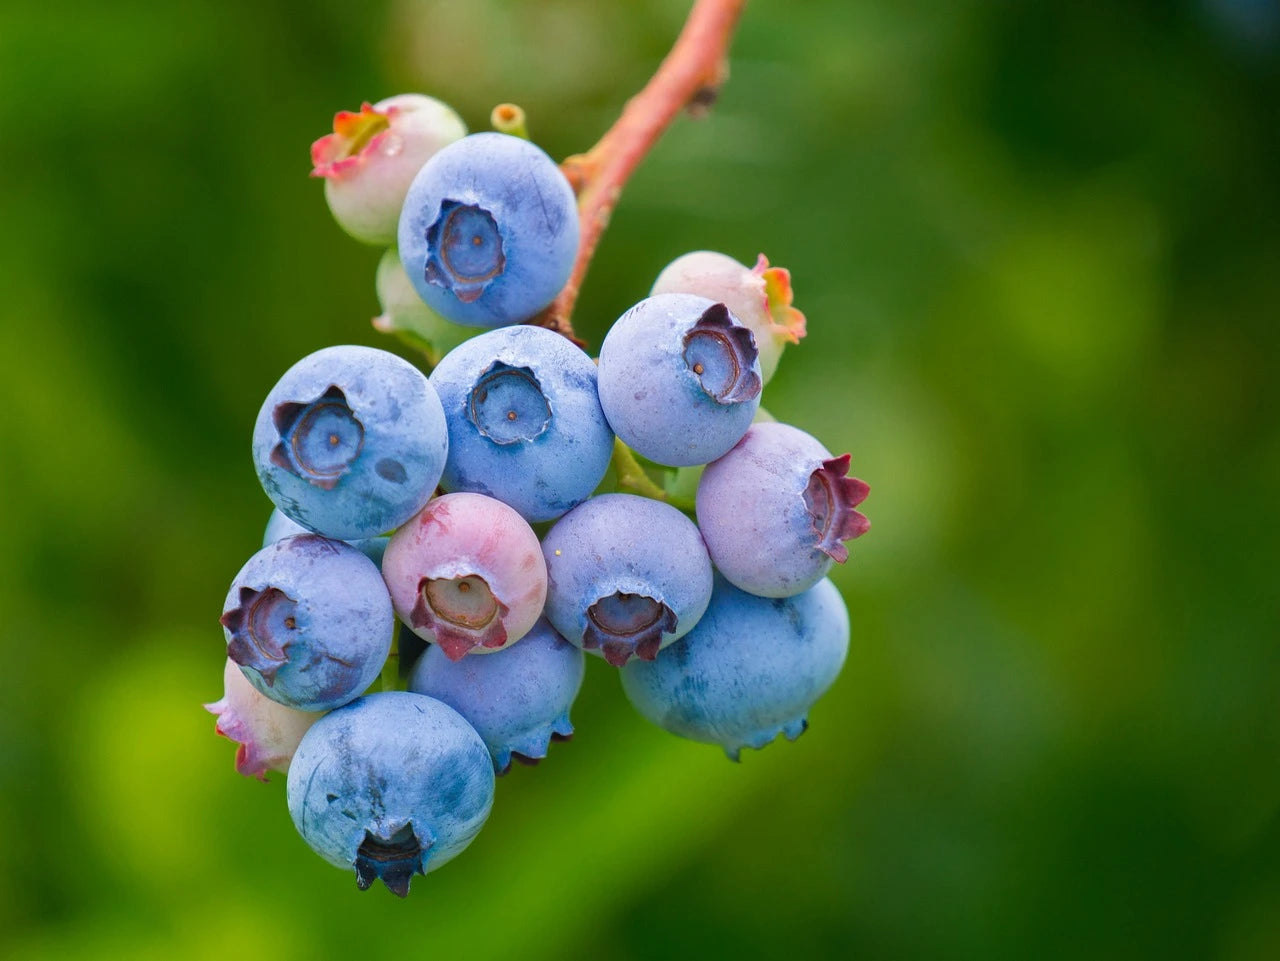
<point x="631" y="476"/>
<point x="390" y="677"/>
<point x="689" y="77"/>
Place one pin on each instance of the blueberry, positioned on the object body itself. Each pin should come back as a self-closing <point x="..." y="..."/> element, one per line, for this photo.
<point x="373" y="155"/>
<point x="525" y="424"/>
<point x="679" y="379"/>
<point x="351" y="442"/>
<point x="749" y="671"/>
<point x="627" y="576"/>
<point x="279" y="527"/>
<point x="309" y="622"/>
<point x="392" y="785"/>
<point x="517" y="700"/>
<point x="759" y="296"/>
<point x="489" y="231"/>
<point x="467" y="574"/>
<point x="267" y="732"/>
<point x="775" y="510"/>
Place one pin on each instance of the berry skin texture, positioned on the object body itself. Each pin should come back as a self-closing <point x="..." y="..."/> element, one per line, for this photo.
<point x="279" y="527"/>
<point x="749" y="671"/>
<point x="679" y="379"/>
<point x="267" y="733"/>
<point x="309" y="622"/>
<point x="759" y="296"/>
<point x="525" y="424"/>
<point x="392" y="785"/>
<point x="518" y="700"/>
<point x="628" y="575"/>
<point x="489" y="231"/>
<point x="467" y="574"/>
<point x="776" y="509"/>
<point x="373" y="155"/>
<point x="350" y="442"/>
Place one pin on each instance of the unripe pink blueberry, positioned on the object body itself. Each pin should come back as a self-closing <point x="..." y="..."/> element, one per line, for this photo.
<point x="466" y="573"/>
<point x="268" y="733"/>
<point x="373" y="155"/>
<point x="759" y="296"/>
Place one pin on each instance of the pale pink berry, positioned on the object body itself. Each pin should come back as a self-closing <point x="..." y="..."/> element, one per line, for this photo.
<point x="466" y="573"/>
<point x="373" y="155"/>
<point x="267" y="732"/>
<point x="759" y="296"/>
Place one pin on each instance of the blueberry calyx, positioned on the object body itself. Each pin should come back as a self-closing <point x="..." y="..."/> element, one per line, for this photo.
<point x="394" y="860"/>
<point x="830" y="497"/>
<point x="461" y="612"/>
<point x="260" y="627"/>
<point x="721" y="354"/>
<point x="507" y="404"/>
<point x="622" y="625"/>
<point x="319" y="440"/>
<point x="353" y="132"/>
<point x="464" y="250"/>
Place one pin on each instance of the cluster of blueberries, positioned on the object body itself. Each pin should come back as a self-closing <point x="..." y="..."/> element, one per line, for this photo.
<point x="725" y="630"/>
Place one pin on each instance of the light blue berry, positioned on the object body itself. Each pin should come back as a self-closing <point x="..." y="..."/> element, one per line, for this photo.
<point x="626" y="575"/>
<point x="525" y="424"/>
<point x="309" y="621"/>
<point x="776" y="510"/>
<point x="350" y="442"/>
<point x="517" y="699"/>
<point x="749" y="671"/>
<point x="489" y="231"/>
<point x="392" y="785"/>
<point x="679" y="379"/>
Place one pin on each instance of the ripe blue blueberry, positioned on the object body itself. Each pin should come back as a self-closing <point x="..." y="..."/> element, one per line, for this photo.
<point x="279" y="527"/>
<point x="679" y="379"/>
<point x="749" y="671"/>
<point x="392" y="785"/>
<point x="626" y="576"/>
<point x="309" y="621"/>
<point x="776" y="509"/>
<point x="350" y="442"/>
<point x="517" y="699"/>
<point x="525" y="424"/>
<point x="489" y="230"/>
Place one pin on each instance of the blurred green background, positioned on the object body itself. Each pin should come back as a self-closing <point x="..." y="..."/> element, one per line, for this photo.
<point x="1039" y="249"/>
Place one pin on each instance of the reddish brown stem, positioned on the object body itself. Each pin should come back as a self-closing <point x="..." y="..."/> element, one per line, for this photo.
<point x="688" y="78"/>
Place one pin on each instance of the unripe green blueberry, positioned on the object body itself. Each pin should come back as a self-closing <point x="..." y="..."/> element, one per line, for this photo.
<point x="404" y="313"/>
<point x="373" y="155"/>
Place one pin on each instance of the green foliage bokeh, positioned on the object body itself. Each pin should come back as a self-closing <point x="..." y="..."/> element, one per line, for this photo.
<point x="1037" y="245"/>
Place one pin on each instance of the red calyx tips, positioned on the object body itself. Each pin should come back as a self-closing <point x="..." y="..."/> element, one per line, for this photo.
<point x="461" y="613"/>
<point x="788" y="322"/>
<point x="354" y="133"/>
<point x="831" y="498"/>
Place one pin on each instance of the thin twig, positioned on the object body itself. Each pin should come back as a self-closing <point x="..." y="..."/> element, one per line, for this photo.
<point x="688" y="78"/>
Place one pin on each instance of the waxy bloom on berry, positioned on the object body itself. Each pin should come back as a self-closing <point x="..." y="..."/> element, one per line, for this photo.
<point x="750" y="670"/>
<point x="390" y="786"/>
<point x="373" y="155"/>
<point x="776" y="510"/>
